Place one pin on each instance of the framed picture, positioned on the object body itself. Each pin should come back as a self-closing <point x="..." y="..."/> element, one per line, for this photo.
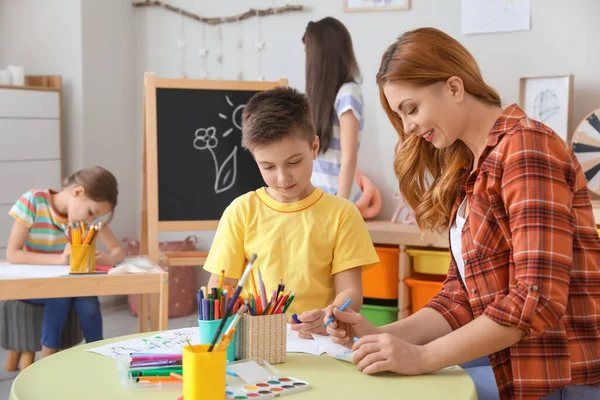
<point x="375" y="5"/>
<point x="548" y="99"/>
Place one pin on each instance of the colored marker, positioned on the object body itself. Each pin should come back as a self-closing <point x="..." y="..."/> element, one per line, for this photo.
<point x="154" y="363"/>
<point x="295" y="318"/>
<point x="342" y="308"/>
<point x="355" y="339"/>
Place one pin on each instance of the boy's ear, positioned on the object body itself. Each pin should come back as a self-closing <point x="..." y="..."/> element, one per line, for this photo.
<point x="315" y="147"/>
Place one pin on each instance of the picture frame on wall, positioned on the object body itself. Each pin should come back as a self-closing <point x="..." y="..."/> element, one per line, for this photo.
<point x="548" y="99"/>
<point x="376" y="5"/>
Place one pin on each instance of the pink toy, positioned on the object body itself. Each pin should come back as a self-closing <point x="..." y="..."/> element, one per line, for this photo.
<point x="409" y="216"/>
<point x="369" y="203"/>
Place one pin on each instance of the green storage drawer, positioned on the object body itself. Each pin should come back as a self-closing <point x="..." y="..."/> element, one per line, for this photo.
<point x="379" y="315"/>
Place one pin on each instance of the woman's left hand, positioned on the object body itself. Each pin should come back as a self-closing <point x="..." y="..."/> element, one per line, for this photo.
<point x="103" y="259"/>
<point x="385" y="352"/>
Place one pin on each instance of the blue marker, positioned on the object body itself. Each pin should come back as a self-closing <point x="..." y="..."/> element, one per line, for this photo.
<point x="355" y="339"/>
<point x="342" y="308"/>
<point x="295" y="318"/>
<point x="200" y="297"/>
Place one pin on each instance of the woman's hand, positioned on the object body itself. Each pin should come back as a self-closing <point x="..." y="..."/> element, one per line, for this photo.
<point x="311" y="322"/>
<point x="385" y="352"/>
<point x="347" y="325"/>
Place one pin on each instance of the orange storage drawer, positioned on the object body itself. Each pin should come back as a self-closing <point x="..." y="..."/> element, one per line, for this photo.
<point x="381" y="281"/>
<point x="423" y="289"/>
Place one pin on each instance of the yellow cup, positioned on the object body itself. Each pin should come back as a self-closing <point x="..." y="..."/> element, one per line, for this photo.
<point x="204" y="373"/>
<point x="83" y="258"/>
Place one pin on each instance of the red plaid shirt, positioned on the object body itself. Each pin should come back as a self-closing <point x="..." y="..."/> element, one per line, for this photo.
<point x="532" y="256"/>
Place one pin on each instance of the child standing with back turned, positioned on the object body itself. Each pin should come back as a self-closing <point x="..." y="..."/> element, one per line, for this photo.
<point x="38" y="237"/>
<point x="314" y="241"/>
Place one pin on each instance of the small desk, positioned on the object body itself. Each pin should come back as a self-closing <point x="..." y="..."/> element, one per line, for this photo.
<point x="76" y="374"/>
<point x="95" y="285"/>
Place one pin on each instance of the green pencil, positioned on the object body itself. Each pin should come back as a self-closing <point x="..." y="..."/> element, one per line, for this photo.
<point x="289" y="302"/>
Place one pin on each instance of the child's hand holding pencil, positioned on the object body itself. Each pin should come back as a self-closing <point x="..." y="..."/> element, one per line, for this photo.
<point x="311" y="322"/>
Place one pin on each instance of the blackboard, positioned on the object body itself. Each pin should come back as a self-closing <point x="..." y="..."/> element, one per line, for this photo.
<point x="202" y="166"/>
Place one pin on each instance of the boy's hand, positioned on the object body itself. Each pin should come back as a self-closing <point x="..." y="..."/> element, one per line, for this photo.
<point x="63" y="259"/>
<point x="347" y="325"/>
<point x="312" y="322"/>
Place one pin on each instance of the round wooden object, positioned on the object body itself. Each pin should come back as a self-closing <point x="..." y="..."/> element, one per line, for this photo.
<point x="586" y="145"/>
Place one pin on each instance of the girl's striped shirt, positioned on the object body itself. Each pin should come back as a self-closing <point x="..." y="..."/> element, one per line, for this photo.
<point x="46" y="226"/>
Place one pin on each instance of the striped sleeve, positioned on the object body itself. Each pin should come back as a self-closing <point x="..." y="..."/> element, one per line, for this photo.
<point x="24" y="209"/>
<point x="349" y="98"/>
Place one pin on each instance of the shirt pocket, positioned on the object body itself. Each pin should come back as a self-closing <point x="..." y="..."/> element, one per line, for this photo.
<point x="485" y="232"/>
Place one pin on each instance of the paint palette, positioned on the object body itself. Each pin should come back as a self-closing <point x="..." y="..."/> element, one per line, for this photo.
<point x="267" y="389"/>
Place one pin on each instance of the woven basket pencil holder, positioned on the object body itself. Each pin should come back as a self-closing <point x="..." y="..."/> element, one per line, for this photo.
<point x="263" y="337"/>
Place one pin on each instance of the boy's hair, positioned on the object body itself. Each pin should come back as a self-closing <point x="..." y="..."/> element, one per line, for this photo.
<point x="99" y="184"/>
<point x="275" y="114"/>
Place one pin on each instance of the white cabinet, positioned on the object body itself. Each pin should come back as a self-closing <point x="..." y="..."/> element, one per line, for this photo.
<point x="30" y="146"/>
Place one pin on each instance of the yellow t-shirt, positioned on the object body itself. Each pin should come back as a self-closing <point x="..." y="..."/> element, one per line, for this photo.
<point x="304" y="243"/>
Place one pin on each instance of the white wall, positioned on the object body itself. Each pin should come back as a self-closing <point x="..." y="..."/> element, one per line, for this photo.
<point x="54" y="49"/>
<point x="563" y="40"/>
<point x="108" y="103"/>
<point x="89" y="43"/>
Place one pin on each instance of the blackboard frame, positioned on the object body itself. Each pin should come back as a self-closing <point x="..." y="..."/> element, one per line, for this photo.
<point x="151" y="225"/>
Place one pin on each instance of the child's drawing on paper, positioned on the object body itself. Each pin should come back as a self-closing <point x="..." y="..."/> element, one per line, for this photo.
<point x="164" y="342"/>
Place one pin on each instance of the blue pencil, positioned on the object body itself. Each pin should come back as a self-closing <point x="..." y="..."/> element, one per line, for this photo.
<point x="355" y="339"/>
<point x="342" y="308"/>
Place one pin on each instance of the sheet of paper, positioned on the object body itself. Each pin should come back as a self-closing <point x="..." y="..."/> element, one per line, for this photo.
<point x="326" y="344"/>
<point x="23" y="271"/>
<point x="250" y="371"/>
<point x="167" y="342"/>
<point x="488" y="16"/>
<point x="297" y="345"/>
<point x="138" y="261"/>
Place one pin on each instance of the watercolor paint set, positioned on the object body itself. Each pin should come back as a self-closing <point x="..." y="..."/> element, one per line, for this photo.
<point x="258" y="379"/>
<point x="267" y="389"/>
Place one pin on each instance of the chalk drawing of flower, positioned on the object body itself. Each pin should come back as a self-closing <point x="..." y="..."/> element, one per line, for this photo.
<point x="205" y="139"/>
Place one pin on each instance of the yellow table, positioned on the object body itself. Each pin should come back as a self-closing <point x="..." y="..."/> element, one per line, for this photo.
<point x="80" y="375"/>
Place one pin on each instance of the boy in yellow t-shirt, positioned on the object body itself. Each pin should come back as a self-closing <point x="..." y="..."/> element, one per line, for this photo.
<point x="314" y="241"/>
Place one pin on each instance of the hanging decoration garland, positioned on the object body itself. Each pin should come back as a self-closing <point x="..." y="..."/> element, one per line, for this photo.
<point x="203" y="51"/>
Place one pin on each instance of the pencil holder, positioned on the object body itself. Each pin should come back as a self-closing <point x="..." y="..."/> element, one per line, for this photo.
<point x="83" y="258"/>
<point x="207" y="332"/>
<point x="203" y="373"/>
<point x="263" y="337"/>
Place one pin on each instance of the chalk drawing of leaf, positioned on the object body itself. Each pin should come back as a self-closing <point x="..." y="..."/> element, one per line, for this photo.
<point x="227" y="173"/>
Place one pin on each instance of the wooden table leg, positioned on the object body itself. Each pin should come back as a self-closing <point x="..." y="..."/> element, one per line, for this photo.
<point x="163" y="315"/>
<point x="143" y="313"/>
<point x="155" y="306"/>
<point x="27" y="359"/>
<point x="12" y="364"/>
<point x="405" y="270"/>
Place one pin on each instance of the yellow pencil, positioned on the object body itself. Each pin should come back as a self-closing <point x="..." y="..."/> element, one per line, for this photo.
<point x="221" y="279"/>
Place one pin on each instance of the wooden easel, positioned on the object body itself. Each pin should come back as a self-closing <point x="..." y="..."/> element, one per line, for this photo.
<point x="151" y="226"/>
